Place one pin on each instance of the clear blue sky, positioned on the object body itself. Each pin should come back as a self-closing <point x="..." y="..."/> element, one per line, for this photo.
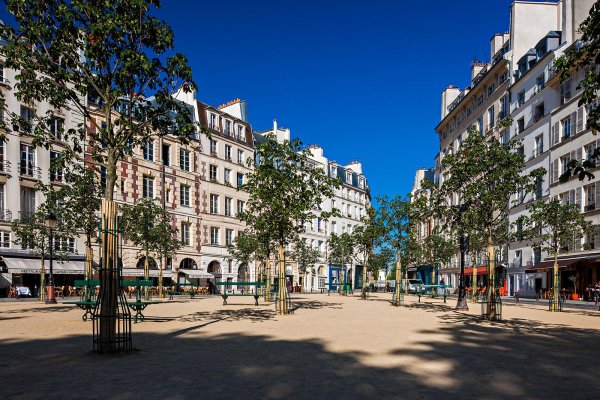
<point x="362" y="79"/>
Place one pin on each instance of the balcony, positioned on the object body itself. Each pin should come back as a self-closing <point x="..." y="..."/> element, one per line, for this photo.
<point x="5" y="215"/>
<point x="590" y="207"/>
<point x="30" y="171"/>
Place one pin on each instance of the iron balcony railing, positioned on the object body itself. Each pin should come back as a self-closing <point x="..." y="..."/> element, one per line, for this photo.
<point x="5" y="215"/>
<point x="4" y="167"/>
<point x="30" y="170"/>
<point x="25" y="216"/>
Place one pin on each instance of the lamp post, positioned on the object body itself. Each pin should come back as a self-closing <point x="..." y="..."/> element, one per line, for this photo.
<point x="51" y="225"/>
<point x="461" y="304"/>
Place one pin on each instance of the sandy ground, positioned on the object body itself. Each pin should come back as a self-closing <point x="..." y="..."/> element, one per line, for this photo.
<point x="331" y="347"/>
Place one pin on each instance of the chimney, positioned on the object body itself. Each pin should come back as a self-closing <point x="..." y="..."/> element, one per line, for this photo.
<point x="274" y="126"/>
<point x="448" y="96"/>
<point x="476" y="67"/>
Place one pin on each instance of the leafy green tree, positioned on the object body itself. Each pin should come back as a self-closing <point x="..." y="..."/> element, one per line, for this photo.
<point x="341" y="248"/>
<point x="112" y="65"/>
<point x="366" y="237"/>
<point x="305" y="256"/>
<point x="286" y="190"/>
<point x="553" y="227"/>
<point x="437" y="251"/>
<point x="395" y="217"/>
<point x="148" y="226"/>
<point x="383" y="260"/>
<point x="486" y="175"/>
<point x="244" y="248"/>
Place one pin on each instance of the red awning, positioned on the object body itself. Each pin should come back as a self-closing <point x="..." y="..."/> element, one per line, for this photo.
<point x="544" y="265"/>
<point x="480" y="270"/>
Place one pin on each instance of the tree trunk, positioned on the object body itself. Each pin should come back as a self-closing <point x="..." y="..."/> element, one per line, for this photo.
<point x="268" y="281"/>
<point x="397" y="301"/>
<point x="160" y="277"/>
<point x="364" y="279"/>
<point x="474" y="281"/>
<point x="89" y="271"/>
<point x="43" y="281"/>
<point x="109" y="279"/>
<point x="282" y="287"/>
<point x="555" y="287"/>
<point x="146" y="275"/>
<point x="491" y="291"/>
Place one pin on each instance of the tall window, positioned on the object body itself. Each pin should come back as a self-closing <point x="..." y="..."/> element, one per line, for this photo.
<point x="539" y="83"/>
<point x="148" y="151"/>
<point x="212" y="169"/>
<point x="2" y="211"/>
<point x="228" y="202"/>
<point x="27" y="165"/>
<point x="228" y="129"/>
<point x="213" y="147"/>
<point x="589" y="150"/>
<point x="2" y="155"/>
<point x="56" y="170"/>
<point x="240" y="156"/>
<point x="27" y="119"/>
<point x="565" y="162"/>
<point x="185" y="234"/>
<point x="57" y="127"/>
<point x="166" y="154"/>
<point x="184" y="159"/>
<point x="213" y="122"/>
<point x="148" y="187"/>
<point x="521" y="98"/>
<point x="227" y="176"/>
<point x="491" y="120"/>
<point x="227" y="152"/>
<point x="214" y="204"/>
<point x="5" y="240"/>
<point x="184" y="195"/>
<point x="539" y="145"/>
<point x="240" y="179"/>
<point x="590" y="197"/>
<point x="228" y="236"/>
<point x="480" y="125"/>
<point x="240" y="132"/>
<point x="240" y="206"/>
<point x="566" y="126"/>
<point x="27" y="201"/>
<point x="214" y="235"/>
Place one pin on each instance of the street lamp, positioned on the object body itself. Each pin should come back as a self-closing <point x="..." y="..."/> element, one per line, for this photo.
<point x="51" y="225"/>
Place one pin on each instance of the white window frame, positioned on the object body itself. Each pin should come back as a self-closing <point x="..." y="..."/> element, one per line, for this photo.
<point x="184" y="195"/>
<point x="214" y="203"/>
<point x="214" y="235"/>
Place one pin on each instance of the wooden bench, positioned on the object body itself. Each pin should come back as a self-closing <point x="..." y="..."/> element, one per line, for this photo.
<point x="225" y="295"/>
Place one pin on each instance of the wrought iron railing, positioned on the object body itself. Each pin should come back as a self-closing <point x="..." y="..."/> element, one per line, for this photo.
<point x="30" y="170"/>
<point x="5" y="215"/>
<point x="4" y="167"/>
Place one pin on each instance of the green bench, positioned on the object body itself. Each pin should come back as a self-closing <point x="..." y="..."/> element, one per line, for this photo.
<point x="192" y="292"/>
<point x="88" y="298"/>
<point x="433" y="291"/>
<point x="225" y="295"/>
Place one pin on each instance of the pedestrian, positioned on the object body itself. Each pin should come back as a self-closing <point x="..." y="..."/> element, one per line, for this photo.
<point x="596" y="292"/>
<point x="211" y="287"/>
<point x="517" y="297"/>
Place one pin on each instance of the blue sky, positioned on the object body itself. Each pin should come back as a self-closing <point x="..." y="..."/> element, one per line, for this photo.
<point x="362" y="79"/>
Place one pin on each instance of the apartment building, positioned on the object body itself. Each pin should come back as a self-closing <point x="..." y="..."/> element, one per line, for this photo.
<point x="351" y="199"/>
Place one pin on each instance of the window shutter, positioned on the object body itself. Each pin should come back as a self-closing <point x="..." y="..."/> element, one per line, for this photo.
<point x="552" y="132"/>
<point x="573" y="122"/>
<point x="579" y="154"/>
<point x="555" y="171"/>
<point x="556" y="132"/>
<point x="578" y="197"/>
<point x="579" y="124"/>
<point x="573" y="154"/>
<point x="572" y="196"/>
<point x="597" y="198"/>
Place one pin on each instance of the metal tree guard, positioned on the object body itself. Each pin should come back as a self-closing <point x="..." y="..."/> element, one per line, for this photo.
<point x="111" y="317"/>
<point x="461" y="304"/>
<point x="556" y="301"/>
<point x="491" y="306"/>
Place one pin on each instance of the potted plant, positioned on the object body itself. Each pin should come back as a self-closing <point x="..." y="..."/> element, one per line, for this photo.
<point x="574" y="296"/>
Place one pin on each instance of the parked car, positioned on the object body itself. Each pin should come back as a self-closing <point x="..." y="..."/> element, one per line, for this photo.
<point x="414" y="285"/>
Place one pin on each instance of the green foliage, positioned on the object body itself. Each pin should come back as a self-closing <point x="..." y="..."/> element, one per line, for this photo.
<point x="285" y="191"/>
<point x="395" y="218"/>
<point x="244" y="247"/>
<point x="383" y="260"/>
<point x="149" y="227"/>
<point x="305" y="255"/>
<point x="33" y="233"/>
<point x="369" y="234"/>
<point x="552" y="226"/>
<point x="111" y="59"/>
<point x="436" y="249"/>
<point x="341" y="248"/>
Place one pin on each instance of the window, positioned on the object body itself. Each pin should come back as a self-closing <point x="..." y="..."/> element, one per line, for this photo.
<point x="240" y="179"/>
<point x="538" y="113"/>
<point x="2" y="73"/>
<point x="213" y="122"/>
<point x="539" y="83"/>
<point x="590" y="149"/>
<point x="564" y="161"/>
<point x="539" y="145"/>
<point x="214" y="204"/>
<point x="184" y="159"/>
<point x="27" y="119"/>
<point x="65" y="244"/>
<point x="565" y="91"/>
<point x="590" y="197"/>
<point x="185" y="234"/>
<point x="213" y="147"/>
<point x="166" y="154"/>
<point x="361" y="183"/>
<point x="57" y="127"/>
<point x="480" y="125"/>
<point x="227" y="176"/>
<point x="228" y="202"/>
<point x="212" y="172"/>
<point x="228" y="236"/>
<point x="5" y="240"/>
<point x="2" y="212"/>
<point x="227" y="152"/>
<point x="214" y="235"/>
<point x="521" y="98"/>
<point x="184" y="195"/>
<point x="491" y="89"/>
<point x="538" y="187"/>
<point x="56" y="170"/>
<point x="148" y="187"/>
<point x="240" y="156"/>
<point x="319" y="224"/>
<point x="491" y="117"/>
<point x="103" y="177"/>
<point x="228" y="130"/>
<point x="240" y="206"/>
<point x="148" y="151"/>
<point x="566" y="127"/>
<point x="240" y="132"/>
<point x="27" y="162"/>
<point x="348" y="177"/>
<point x="520" y="125"/>
<point x="27" y="201"/>
<point x="333" y="227"/>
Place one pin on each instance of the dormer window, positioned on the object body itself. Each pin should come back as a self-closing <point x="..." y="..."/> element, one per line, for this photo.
<point x="361" y="183"/>
<point x="213" y="121"/>
<point x="240" y="132"/>
<point x="228" y="130"/>
<point x="349" y="177"/>
<point x="332" y="171"/>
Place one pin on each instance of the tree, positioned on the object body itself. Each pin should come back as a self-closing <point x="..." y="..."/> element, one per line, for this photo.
<point x="243" y="248"/>
<point x="486" y="175"/>
<point x="111" y="64"/>
<point x="341" y="248"/>
<point x="286" y="190"/>
<point x="585" y="56"/>
<point x="395" y="217"/>
<point x="383" y="260"/>
<point x="149" y="227"/>
<point x="437" y="250"/>
<point x="366" y="238"/>
<point x="305" y="256"/>
<point x="553" y="227"/>
<point x="33" y="233"/>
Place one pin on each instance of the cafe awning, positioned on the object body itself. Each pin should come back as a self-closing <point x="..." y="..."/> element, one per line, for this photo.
<point x="480" y="270"/>
<point x="153" y="273"/>
<point x="545" y="265"/>
<point x="32" y="266"/>
<point x="197" y="274"/>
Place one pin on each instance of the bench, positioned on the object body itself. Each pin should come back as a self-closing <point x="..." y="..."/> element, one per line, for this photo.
<point x="225" y="295"/>
<point x="139" y="304"/>
<point x="194" y="289"/>
<point x="433" y="291"/>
